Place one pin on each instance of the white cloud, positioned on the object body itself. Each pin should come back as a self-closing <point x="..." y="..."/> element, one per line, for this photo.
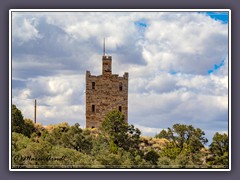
<point x="24" y="29"/>
<point x="147" y="131"/>
<point x="59" y="99"/>
<point x="161" y="110"/>
<point x="168" y="58"/>
<point x="189" y="43"/>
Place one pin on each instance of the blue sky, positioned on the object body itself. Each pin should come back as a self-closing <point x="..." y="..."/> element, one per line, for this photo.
<point x="221" y="16"/>
<point x="177" y="64"/>
<point x="216" y="67"/>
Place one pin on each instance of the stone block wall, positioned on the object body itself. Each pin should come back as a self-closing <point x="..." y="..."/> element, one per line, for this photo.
<point x="105" y="93"/>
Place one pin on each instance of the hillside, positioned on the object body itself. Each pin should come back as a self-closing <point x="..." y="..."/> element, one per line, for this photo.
<point x="116" y="145"/>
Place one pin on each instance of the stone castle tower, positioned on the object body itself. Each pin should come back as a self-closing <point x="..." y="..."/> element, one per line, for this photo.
<point x="105" y="93"/>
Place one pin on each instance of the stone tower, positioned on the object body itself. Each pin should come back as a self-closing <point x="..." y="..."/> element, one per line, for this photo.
<point x="105" y="93"/>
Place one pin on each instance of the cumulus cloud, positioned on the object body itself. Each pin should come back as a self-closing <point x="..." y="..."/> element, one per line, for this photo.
<point x="164" y="110"/>
<point x="177" y="64"/>
<point x="59" y="98"/>
<point x="186" y="43"/>
<point x="24" y="29"/>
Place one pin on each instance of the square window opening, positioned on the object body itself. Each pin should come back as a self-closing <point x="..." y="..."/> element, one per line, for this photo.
<point x="93" y="108"/>
<point x="93" y="85"/>
<point x="120" y="86"/>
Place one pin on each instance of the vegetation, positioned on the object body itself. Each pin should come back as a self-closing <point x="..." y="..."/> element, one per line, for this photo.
<point x="116" y="145"/>
<point x="219" y="150"/>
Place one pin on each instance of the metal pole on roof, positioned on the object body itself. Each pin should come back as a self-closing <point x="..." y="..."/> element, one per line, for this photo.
<point x="104" y="47"/>
<point x="35" y="111"/>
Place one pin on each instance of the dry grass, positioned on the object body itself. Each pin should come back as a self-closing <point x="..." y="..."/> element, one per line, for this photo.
<point x="152" y="143"/>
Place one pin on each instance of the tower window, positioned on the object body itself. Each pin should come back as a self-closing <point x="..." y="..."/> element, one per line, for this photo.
<point x="120" y="86"/>
<point x="93" y="108"/>
<point x="93" y="85"/>
<point x="120" y="108"/>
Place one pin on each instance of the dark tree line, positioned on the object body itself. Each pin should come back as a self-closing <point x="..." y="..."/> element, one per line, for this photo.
<point x="117" y="145"/>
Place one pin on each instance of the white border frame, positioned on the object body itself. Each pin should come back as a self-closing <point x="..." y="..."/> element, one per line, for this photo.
<point x="117" y="10"/>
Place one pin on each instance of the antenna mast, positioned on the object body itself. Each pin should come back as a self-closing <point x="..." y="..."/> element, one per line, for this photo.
<point x="35" y="111"/>
<point x="104" y="47"/>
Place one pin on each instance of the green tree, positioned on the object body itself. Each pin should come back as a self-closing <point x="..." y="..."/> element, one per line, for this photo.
<point x="133" y="140"/>
<point x="20" y="125"/>
<point x="162" y="134"/>
<point x="77" y="139"/>
<point x="19" y="142"/>
<point x="186" y="135"/>
<point x="120" y="133"/>
<point x="185" y="143"/>
<point x="170" y="150"/>
<point x="28" y="127"/>
<point x="55" y="133"/>
<point x="152" y="156"/>
<point x="115" y="127"/>
<point x="109" y="154"/>
<point x="17" y="120"/>
<point x="72" y="137"/>
<point x="164" y="162"/>
<point x="219" y="150"/>
<point x="70" y="158"/>
<point x="27" y="153"/>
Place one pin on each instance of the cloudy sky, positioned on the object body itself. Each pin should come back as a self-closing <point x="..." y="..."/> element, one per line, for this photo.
<point x="177" y="64"/>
